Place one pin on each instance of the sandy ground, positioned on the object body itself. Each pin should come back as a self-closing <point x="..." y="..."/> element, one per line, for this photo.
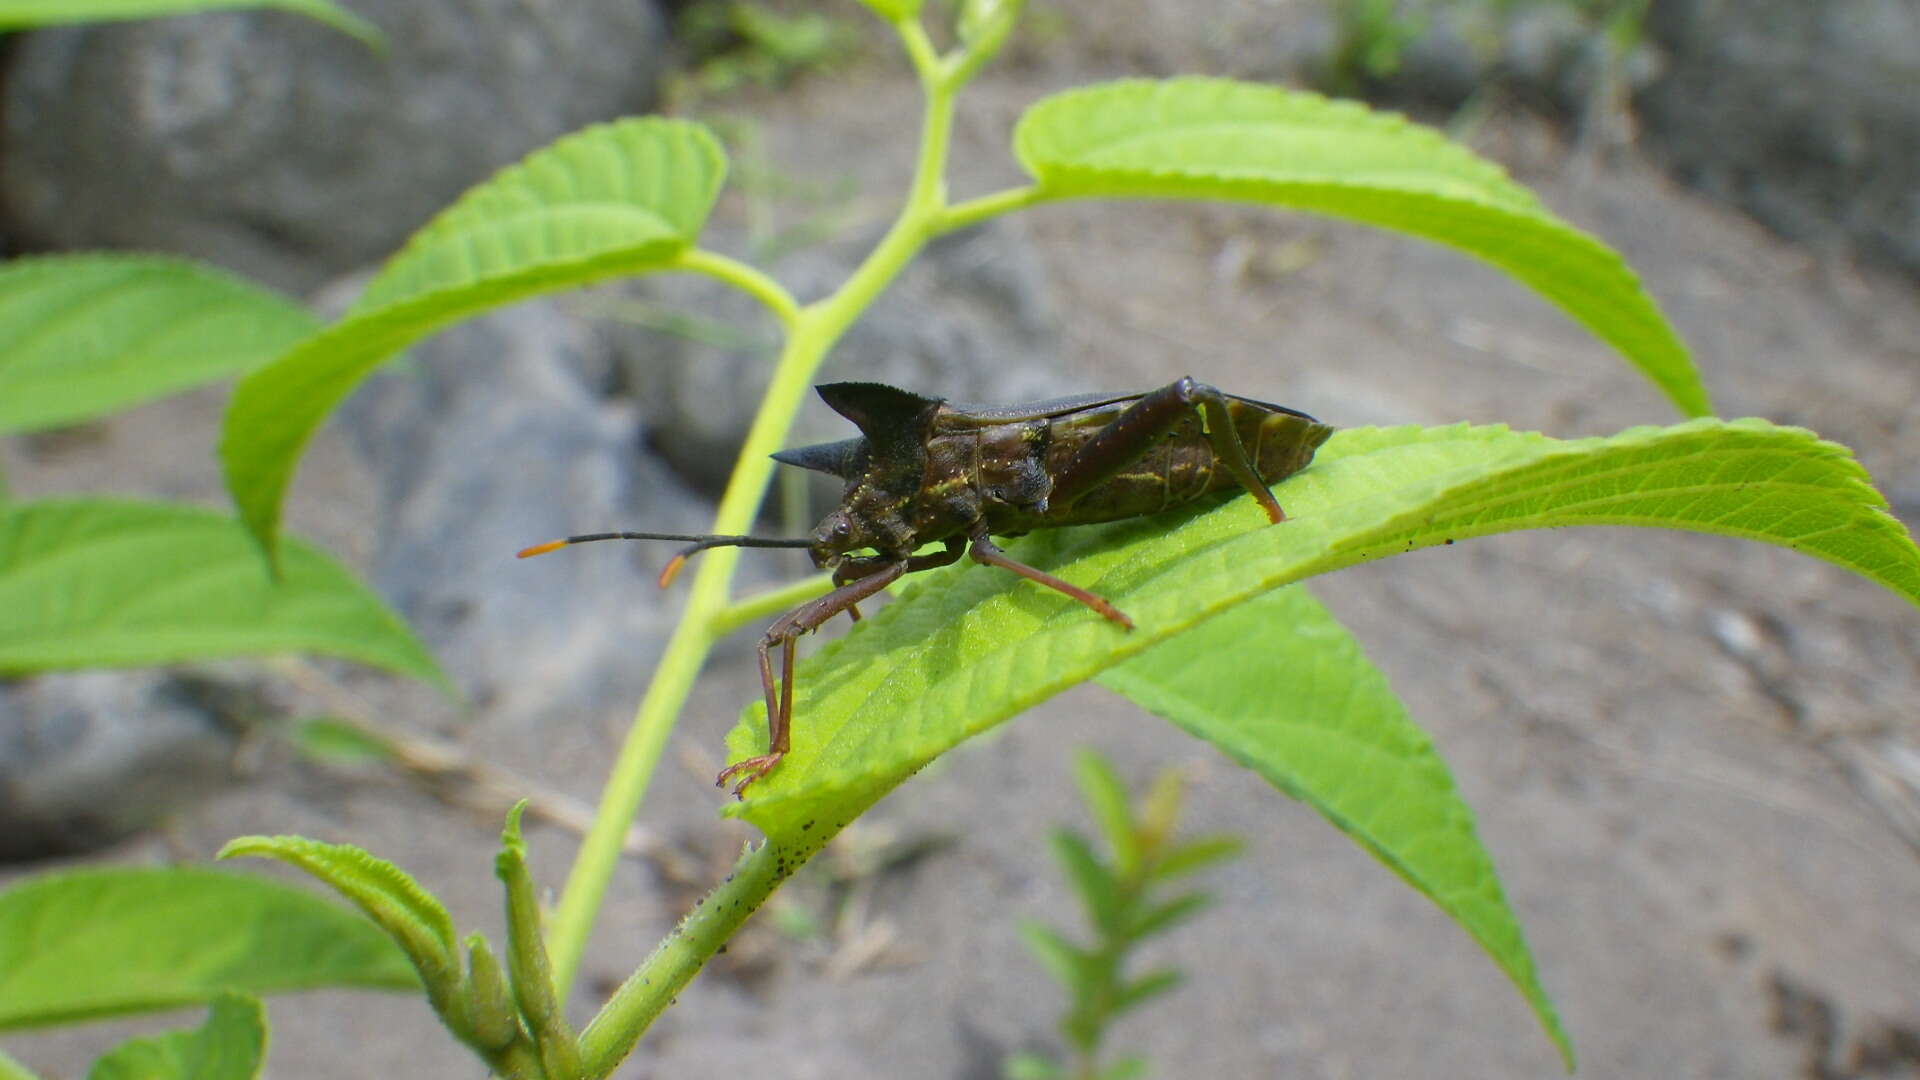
<point x="1671" y="741"/>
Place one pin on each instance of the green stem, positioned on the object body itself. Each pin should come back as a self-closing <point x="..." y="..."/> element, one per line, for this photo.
<point x="686" y="652"/>
<point x="517" y="1062"/>
<point x="920" y="50"/>
<point x="678" y="958"/>
<point x="772" y="602"/>
<point x="812" y="331"/>
<point x="974" y="211"/>
<point x="746" y="278"/>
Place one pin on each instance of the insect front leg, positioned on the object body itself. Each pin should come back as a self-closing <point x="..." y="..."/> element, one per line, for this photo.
<point x="785" y="633"/>
<point x="1122" y="442"/>
<point x="855" y="569"/>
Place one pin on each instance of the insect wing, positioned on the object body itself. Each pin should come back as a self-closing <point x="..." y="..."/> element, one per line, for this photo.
<point x="957" y="417"/>
<point x="954" y="416"/>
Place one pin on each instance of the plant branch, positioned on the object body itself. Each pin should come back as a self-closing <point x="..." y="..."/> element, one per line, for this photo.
<point x="771" y="602"/>
<point x="746" y="278"/>
<point x="974" y="211"/>
<point x="685" y="654"/>
<point x="674" y="962"/>
<point x="920" y="50"/>
<point x="812" y="331"/>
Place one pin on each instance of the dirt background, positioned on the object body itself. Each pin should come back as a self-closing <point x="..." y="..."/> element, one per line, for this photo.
<point x="1692" y="758"/>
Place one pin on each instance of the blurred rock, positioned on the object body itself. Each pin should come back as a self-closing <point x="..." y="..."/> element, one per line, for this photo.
<point x="971" y="319"/>
<point x="285" y="150"/>
<point x="1807" y="116"/>
<point x="489" y="438"/>
<point x="90" y="758"/>
<point x="1550" y="53"/>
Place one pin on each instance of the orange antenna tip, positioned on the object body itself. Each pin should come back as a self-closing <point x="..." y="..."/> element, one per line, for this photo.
<point x="672" y="569"/>
<point x="542" y="549"/>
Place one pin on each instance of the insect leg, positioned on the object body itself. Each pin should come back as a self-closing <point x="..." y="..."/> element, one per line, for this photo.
<point x="853" y="570"/>
<point x="1131" y="433"/>
<point x="987" y="552"/>
<point x="857" y="568"/>
<point x="945" y="556"/>
<point x="785" y="632"/>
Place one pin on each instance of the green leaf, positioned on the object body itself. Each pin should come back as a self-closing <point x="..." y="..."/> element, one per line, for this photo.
<point x="1064" y="960"/>
<point x="532" y="974"/>
<point x="331" y="739"/>
<point x="1031" y="1066"/>
<point x="85" y="335"/>
<point x="893" y="10"/>
<point x="1144" y="989"/>
<point x="1106" y="799"/>
<point x="116" y="583"/>
<point x="1194" y="138"/>
<point x="26" y="14"/>
<point x="965" y="647"/>
<point x="1167" y="914"/>
<point x="1091" y="878"/>
<point x="1159" y="812"/>
<point x="231" y="1045"/>
<point x="1320" y="723"/>
<point x="1132" y="1068"/>
<point x="1194" y="855"/>
<point x="611" y="200"/>
<point x="983" y="27"/>
<point x="490" y="1021"/>
<point x="410" y="915"/>
<point x="91" y="943"/>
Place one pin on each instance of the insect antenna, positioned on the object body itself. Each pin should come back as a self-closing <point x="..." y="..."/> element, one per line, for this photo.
<point x="698" y="542"/>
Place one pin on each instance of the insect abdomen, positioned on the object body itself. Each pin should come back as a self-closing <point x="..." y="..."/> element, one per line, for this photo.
<point x="1181" y="467"/>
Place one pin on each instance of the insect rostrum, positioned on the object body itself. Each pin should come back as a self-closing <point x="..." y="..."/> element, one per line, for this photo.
<point x="925" y="470"/>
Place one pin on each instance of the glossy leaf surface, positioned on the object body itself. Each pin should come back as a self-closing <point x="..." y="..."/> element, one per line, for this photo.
<point x="118" y="583"/>
<point x="84" y="335"/>
<point x="1319" y="722"/>
<point x="85" y="944"/>
<point x="26" y="14"/>
<point x="1195" y="138"/>
<point x="231" y="1045"/>
<point x="965" y="647"/>
<point x="613" y="199"/>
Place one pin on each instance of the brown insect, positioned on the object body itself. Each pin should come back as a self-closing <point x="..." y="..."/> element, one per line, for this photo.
<point x="924" y="470"/>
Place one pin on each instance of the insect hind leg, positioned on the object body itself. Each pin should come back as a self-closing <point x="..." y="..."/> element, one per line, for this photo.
<point x="1134" y="431"/>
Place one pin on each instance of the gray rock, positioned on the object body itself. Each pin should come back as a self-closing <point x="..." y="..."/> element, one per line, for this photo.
<point x="971" y="320"/>
<point x="492" y="437"/>
<point x="1548" y="53"/>
<point x="285" y="150"/>
<point x="90" y="758"/>
<point x="1805" y="115"/>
